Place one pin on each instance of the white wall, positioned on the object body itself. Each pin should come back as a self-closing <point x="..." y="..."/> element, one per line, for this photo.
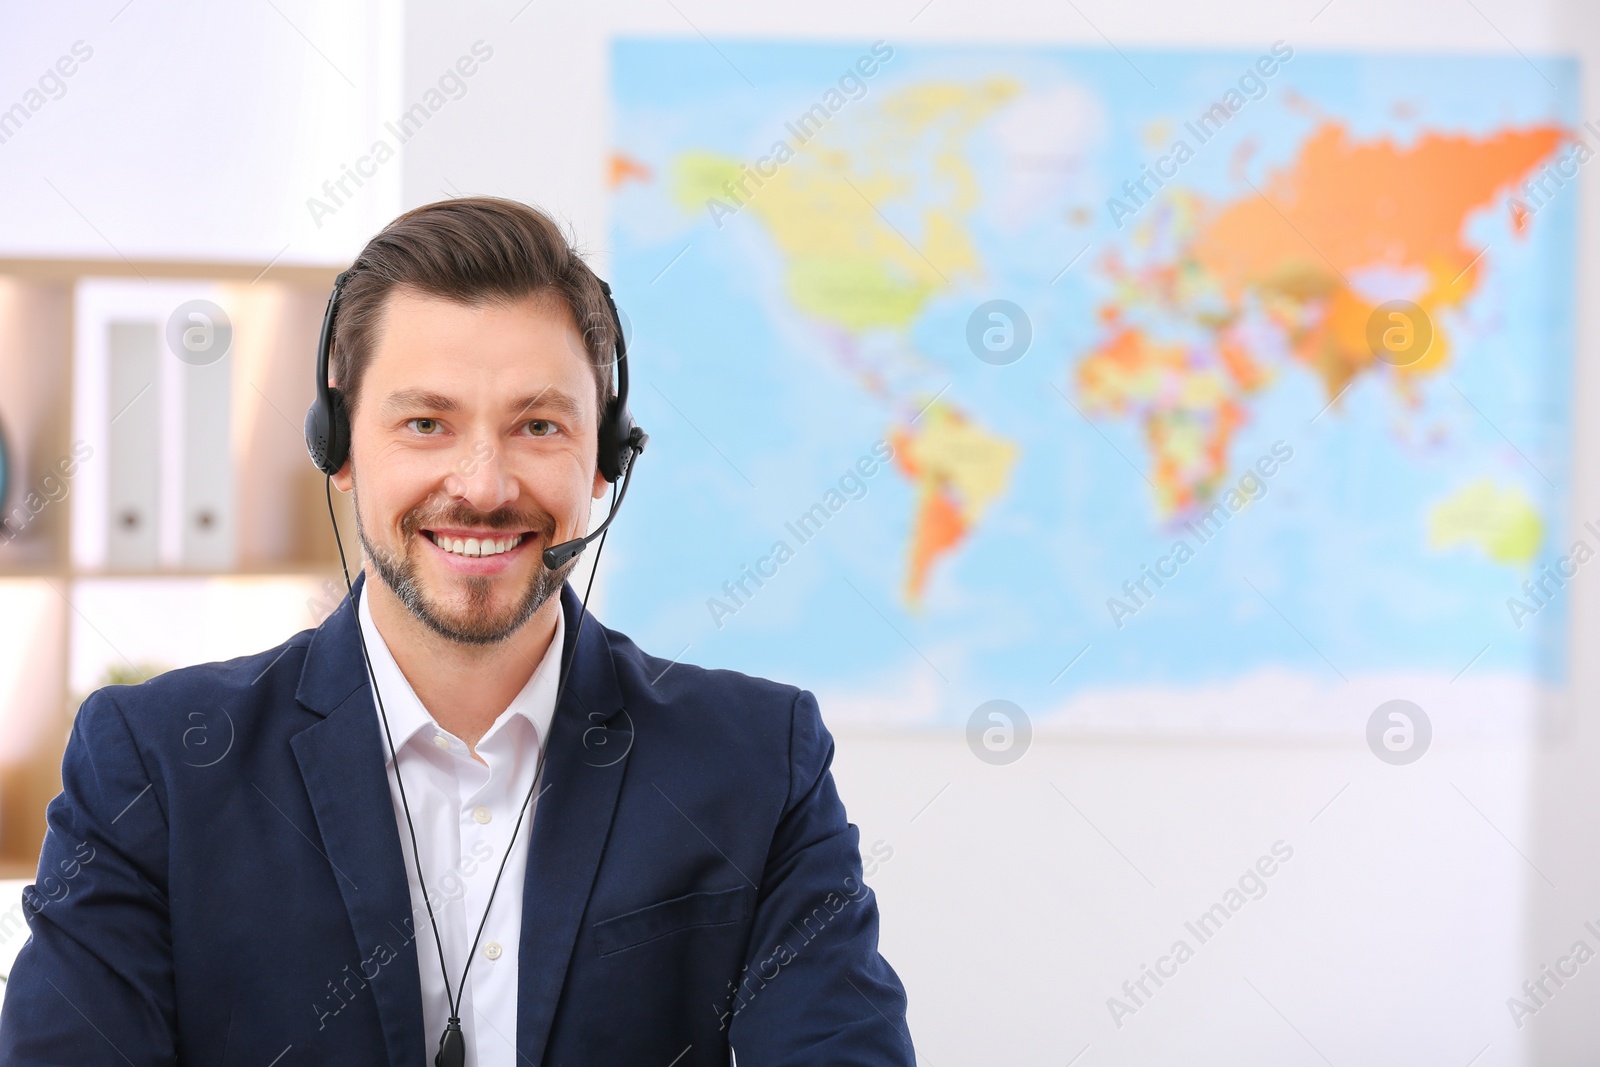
<point x="197" y="130"/>
<point x="1022" y="897"/>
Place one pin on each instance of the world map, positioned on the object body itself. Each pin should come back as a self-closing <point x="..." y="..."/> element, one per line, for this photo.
<point x="1195" y="391"/>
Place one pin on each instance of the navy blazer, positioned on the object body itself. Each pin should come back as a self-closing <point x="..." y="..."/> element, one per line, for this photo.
<point x="222" y="880"/>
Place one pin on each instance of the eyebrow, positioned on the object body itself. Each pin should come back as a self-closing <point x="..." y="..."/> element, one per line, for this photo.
<point x="409" y="399"/>
<point x="545" y="400"/>
<point x="550" y="398"/>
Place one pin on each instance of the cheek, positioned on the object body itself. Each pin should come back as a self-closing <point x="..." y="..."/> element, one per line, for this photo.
<point x="570" y="499"/>
<point x="395" y="485"/>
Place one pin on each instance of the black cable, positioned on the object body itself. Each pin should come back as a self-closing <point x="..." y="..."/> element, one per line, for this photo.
<point x="454" y="998"/>
<point x="544" y="744"/>
<point x="416" y="856"/>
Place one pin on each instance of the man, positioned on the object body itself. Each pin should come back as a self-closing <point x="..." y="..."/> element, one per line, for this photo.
<point x="255" y="862"/>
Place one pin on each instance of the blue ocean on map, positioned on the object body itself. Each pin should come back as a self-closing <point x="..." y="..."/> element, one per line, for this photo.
<point x="1174" y="391"/>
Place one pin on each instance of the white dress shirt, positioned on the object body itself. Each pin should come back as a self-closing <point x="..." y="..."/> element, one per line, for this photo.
<point x="463" y="812"/>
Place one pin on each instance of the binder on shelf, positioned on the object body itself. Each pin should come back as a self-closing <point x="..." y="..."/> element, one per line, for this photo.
<point x="133" y="433"/>
<point x="205" y="472"/>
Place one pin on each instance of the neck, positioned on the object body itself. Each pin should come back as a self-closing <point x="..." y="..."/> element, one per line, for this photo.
<point x="464" y="687"/>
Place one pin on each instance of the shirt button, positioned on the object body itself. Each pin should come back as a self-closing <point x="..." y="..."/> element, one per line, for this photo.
<point x="441" y="740"/>
<point x="481" y="814"/>
<point x="492" y="950"/>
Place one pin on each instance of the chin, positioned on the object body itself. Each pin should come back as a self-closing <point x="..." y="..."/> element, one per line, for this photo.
<point x="442" y="592"/>
<point x="474" y="609"/>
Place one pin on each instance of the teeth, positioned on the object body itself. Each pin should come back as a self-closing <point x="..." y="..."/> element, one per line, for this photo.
<point x="472" y="546"/>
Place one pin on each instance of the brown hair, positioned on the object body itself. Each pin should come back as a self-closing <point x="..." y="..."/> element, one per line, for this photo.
<point x="471" y="250"/>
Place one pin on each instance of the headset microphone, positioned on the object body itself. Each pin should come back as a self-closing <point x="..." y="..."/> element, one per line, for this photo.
<point x="556" y="556"/>
<point x="620" y="441"/>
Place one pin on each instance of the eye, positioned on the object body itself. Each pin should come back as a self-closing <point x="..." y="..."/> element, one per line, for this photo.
<point x="541" y="427"/>
<point x="424" y="426"/>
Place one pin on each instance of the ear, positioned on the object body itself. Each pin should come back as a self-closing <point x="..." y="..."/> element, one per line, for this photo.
<point x="600" y="484"/>
<point x="342" y="480"/>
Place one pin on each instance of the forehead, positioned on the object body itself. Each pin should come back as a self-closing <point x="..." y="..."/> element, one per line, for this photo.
<point x="434" y="342"/>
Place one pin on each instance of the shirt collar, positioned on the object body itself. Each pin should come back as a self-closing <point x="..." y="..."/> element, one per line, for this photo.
<point x="406" y="714"/>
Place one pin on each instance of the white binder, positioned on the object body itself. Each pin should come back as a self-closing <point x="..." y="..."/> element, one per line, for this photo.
<point x="133" y="436"/>
<point x="205" y="476"/>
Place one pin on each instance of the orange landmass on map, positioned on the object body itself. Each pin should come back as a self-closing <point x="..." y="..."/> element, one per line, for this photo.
<point x="936" y="524"/>
<point x="1345" y="206"/>
<point x="1305" y="255"/>
<point x="624" y="168"/>
<point x="957" y="470"/>
<point x="936" y="529"/>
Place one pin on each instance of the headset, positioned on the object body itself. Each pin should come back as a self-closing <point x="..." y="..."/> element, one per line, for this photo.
<point x="620" y="440"/>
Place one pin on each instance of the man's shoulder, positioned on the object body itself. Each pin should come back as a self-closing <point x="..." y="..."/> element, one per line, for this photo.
<point x="675" y="687"/>
<point x="739" y="734"/>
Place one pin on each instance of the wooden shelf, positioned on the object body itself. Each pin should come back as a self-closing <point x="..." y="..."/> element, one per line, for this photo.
<point x="280" y="517"/>
<point x="70" y="270"/>
<point x="13" y="868"/>
<point x="286" y="569"/>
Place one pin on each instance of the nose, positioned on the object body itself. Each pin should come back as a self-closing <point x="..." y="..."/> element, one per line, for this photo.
<point x="481" y="478"/>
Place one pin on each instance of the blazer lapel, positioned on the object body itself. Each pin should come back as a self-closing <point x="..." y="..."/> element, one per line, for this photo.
<point x="588" y="748"/>
<point x="341" y="759"/>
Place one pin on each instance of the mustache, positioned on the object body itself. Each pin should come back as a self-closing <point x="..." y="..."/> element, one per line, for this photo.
<point x="500" y="519"/>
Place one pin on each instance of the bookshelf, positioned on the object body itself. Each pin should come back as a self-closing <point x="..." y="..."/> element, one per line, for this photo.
<point x="71" y="618"/>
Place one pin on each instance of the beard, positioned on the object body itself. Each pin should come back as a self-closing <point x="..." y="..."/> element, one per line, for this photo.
<point x="476" y="622"/>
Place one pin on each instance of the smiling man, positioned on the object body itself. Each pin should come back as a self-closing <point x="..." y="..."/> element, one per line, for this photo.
<point x="461" y="821"/>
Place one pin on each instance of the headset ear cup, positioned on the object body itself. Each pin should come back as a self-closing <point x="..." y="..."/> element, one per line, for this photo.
<point x="316" y="436"/>
<point x="338" y="432"/>
<point x="622" y="451"/>
<point x="327" y="432"/>
<point x="611" y="437"/>
<point x="327" y="426"/>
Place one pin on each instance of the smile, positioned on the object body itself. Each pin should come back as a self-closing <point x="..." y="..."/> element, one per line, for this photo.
<point x="475" y="547"/>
